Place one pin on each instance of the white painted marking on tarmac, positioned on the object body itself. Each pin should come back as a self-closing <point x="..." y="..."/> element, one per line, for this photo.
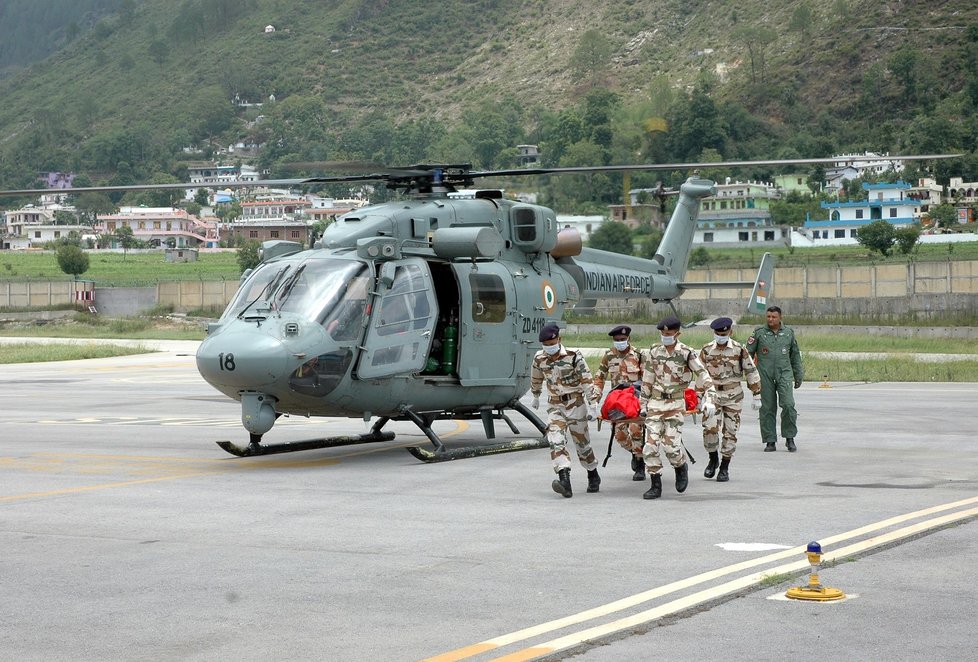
<point x="750" y="546"/>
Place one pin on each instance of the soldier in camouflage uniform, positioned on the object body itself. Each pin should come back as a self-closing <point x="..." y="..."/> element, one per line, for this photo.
<point x="778" y="359"/>
<point x="571" y="389"/>
<point x="728" y="363"/>
<point x="622" y="365"/>
<point x="667" y="371"/>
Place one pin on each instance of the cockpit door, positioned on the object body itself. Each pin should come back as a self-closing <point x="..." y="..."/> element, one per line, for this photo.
<point x="401" y="324"/>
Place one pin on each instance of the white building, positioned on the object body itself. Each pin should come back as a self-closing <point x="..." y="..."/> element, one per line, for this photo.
<point x="739" y="213"/>
<point x="888" y="202"/>
<point x="585" y="225"/>
<point x="845" y="167"/>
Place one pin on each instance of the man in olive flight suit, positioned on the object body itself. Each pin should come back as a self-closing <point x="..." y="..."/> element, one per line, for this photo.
<point x="571" y="389"/>
<point x="776" y="354"/>
<point x="728" y="363"/>
<point x="622" y="365"/>
<point x="667" y="371"/>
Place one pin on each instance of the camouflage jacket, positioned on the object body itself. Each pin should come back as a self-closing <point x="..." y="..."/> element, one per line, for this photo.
<point x="727" y="365"/>
<point x="666" y="375"/>
<point x="565" y="372"/>
<point x="618" y="368"/>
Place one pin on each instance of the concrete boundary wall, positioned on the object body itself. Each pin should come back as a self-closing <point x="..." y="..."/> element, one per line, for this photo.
<point x="877" y="290"/>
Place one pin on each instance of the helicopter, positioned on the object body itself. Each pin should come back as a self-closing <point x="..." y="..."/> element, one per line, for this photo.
<point x="428" y="307"/>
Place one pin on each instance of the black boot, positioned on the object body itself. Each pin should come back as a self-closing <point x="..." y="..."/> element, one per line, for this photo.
<point x="711" y="468"/>
<point x="682" y="477"/>
<point x="593" y="480"/>
<point x="769" y="447"/>
<point x="723" y="476"/>
<point x="638" y="466"/>
<point x="655" y="491"/>
<point x="562" y="484"/>
<point x="789" y="443"/>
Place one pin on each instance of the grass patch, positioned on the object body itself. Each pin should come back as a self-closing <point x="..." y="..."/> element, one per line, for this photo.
<point x="113" y="270"/>
<point x="894" y="369"/>
<point x="809" y="343"/>
<point x="769" y="581"/>
<point x="31" y="353"/>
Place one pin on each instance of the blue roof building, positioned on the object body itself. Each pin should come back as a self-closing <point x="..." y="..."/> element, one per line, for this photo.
<point x="888" y="202"/>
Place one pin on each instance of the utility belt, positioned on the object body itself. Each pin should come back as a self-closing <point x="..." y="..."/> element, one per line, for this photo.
<point x="566" y="398"/>
<point x="662" y="395"/>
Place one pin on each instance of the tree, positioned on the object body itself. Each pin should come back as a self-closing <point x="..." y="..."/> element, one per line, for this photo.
<point x="247" y="255"/>
<point x="72" y="260"/>
<point x="126" y="239"/>
<point x="612" y="236"/>
<point x="159" y="51"/>
<point x="591" y="56"/>
<point x="907" y="237"/>
<point x="944" y="216"/>
<point x="755" y="38"/>
<point x="877" y="236"/>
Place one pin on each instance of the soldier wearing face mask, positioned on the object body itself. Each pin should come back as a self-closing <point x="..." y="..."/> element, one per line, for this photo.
<point x="667" y="371"/>
<point x="728" y="362"/>
<point x="571" y="390"/>
<point x="621" y="365"/>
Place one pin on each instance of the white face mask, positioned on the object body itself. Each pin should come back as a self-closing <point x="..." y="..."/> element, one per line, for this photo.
<point x="721" y="340"/>
<point x="668" y="340"/>
<point x="551" y="349"/>
<point x="621" y="345"/>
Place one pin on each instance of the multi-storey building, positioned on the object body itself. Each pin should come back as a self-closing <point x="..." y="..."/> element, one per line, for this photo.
<point x="160" y="227"/>
<point x="888" y="202"/>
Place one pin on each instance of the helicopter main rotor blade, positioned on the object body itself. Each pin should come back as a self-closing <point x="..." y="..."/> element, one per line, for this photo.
<point x="701" y="165"/>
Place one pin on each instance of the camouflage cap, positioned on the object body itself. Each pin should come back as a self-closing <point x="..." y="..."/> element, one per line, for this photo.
<point x="549" y="332"/>
<point x="671" y="323"/>
<point x="621" y="330"/>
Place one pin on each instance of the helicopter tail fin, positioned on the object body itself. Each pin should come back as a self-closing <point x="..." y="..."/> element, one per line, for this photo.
<point x="673" y="251"/>
<point x="763" y="286"/>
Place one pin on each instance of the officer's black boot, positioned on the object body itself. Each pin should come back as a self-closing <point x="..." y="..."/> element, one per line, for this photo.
<point x="593" y="480"/>
<point x="769" y="447"/>
<point x="723" y="476"/>
<point x="638" y="466"/>
<point x="711" y="468"/>
<point x="562" y="484"/>
<point x="789" y="443"/>
<point x="655" y="491"/>
<point x="682" y="477"/>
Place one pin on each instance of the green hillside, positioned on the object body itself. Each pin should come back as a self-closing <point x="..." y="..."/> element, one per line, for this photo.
<point x="591" y="81"/>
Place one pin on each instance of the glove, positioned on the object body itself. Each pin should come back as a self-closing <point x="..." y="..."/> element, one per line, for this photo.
<point x="797" y="383"/>
<point x="756" y="404"/>
<point x="709" y="409"/>
<point x="643" y="413"/>
<point x="536" y="402"/>
<point x="591" y="413"/>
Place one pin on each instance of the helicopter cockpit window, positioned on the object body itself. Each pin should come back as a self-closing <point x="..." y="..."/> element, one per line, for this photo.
<point x="257" y="287"/>
<point x="320" y="289"/>
<point x="488" y="298"/>
<point x="405" y="304"/>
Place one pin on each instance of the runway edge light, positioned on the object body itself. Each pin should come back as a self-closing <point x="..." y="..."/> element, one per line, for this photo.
<point x="814" y="591"/>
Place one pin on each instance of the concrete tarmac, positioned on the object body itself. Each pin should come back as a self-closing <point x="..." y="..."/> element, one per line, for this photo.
<point x="126" y="534"/>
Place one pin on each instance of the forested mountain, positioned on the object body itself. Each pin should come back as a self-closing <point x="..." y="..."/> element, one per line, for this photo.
<point x="30" y="30"/>
<point x="400" y="81"/>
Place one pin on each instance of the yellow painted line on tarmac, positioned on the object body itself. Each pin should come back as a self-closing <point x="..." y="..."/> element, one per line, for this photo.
<point x="645" y="596"/>
<point x="103" y="486"/>
<point x="708" y="595"/>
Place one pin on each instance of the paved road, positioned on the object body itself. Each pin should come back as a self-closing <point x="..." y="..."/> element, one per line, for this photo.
<point x="128" y="535"/>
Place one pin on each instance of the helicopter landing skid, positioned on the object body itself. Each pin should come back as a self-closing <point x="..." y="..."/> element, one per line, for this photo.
<point x="442" y="454"/>
<point x="255" y="448"/>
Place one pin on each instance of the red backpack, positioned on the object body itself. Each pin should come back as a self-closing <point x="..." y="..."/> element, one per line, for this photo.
<point x="620" y="403"/>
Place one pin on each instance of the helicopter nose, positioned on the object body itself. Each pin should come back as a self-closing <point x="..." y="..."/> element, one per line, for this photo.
<point x="242" y="360"/>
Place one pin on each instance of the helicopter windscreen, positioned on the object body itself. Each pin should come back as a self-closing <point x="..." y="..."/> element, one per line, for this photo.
<point x="258" y="286"/>
<point x="325" y="290"/>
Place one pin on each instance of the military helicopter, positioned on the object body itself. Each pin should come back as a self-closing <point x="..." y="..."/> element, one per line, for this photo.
<point x="427" y="308"/>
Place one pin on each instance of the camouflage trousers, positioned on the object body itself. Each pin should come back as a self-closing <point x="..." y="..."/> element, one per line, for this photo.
<point x="664" y="428"/>
<point x="725" y="421"/>
<point x="630" y="436"/>
<point x="569" y="421"/>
